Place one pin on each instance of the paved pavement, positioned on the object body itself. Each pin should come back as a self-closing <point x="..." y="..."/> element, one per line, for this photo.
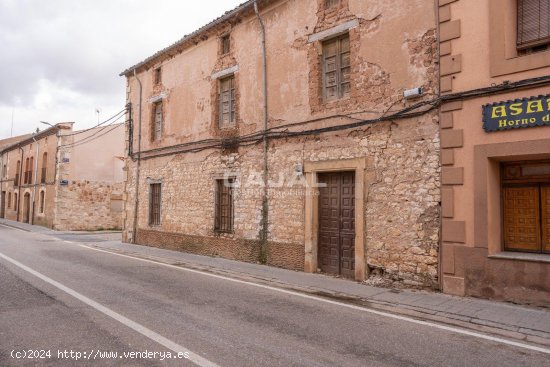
<point x="234" y="323"/>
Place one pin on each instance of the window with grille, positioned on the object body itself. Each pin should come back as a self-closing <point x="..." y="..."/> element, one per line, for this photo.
<point x="224" y="214"/>
<point x="16" y="179"/>
<point x="227" y="102"/>
<point x="225" y="44"/>
<point x="157" y="121"/>
<point x="336" y="68"/>
<point x="533" y="24"/>
<point x="15" y="202"/>
<point x="9" y="200"/>
<point x="154" y="204"/>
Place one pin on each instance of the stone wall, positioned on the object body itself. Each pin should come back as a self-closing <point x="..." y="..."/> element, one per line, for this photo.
<point x="89" y="206"/>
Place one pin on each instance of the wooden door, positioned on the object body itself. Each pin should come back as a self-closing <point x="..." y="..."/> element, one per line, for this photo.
<point x="337" y="223"/>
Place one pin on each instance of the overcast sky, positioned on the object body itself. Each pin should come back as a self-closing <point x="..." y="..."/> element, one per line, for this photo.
<point x="60" y="59"/>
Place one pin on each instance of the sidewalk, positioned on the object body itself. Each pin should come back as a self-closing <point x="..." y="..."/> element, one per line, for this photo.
<point x="39" y="229"/>
<point x="508" y="320"/>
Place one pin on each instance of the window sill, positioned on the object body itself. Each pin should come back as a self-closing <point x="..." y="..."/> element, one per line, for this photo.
<point x="521" y="256"/>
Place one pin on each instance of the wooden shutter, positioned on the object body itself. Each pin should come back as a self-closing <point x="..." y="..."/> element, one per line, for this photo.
<point x="521" y="218"/>
<point x="227" y="102"/>
<point x="533" y="23"/>
<point x="157" y="123"/>
<point x="545" y="220"/>
<point x="331" y="3"/>
<point x="336" y="68"/>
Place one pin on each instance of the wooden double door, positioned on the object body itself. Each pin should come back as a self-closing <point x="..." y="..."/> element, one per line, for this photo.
<point x="337" y="223"/>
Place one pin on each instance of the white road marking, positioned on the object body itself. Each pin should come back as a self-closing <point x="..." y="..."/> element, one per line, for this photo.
<point x="15" y="228"/>
<point x="198" y="360"/>
<point x="353" y="307"/>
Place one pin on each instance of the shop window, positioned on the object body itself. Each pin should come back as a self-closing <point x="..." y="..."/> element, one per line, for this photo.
<point x="336" y="68"/>
<point x="224" y="215"/>
<point x="526" y="206"/>
<point x="226" y="96"/>
<point x="157" y="121"/>
<point x="533" y="26"/>
<point x="154" y="204"/>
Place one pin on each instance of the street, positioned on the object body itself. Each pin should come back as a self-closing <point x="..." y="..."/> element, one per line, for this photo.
<point x="80" y="306"/>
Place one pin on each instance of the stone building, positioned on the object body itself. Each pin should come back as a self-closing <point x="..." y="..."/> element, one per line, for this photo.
<point x="62" y="179"/>
<point x="308" y="159"/>
<point x="496" y="149"/>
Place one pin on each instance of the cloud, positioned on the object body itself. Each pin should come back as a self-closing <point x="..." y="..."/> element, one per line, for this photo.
<point x="61" y="59"/>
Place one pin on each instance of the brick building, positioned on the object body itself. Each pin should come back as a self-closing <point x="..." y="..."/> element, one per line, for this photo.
<point x="62" y="179"/>
<point x="351" y="166"/>
<point x="496" y="149"/>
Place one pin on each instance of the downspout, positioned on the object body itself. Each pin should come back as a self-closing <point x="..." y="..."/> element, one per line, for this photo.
<point x="35" y="182"/>
<point x="265" y="200"/>
<point x="440" y="252"/>
<point x="138" y="164"/>
<point x="19" y="183"/>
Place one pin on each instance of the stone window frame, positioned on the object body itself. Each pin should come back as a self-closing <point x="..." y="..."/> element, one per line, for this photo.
<point x="311" y="171"/>
<point x="487" y="193"/>
<point x="503" y="52"/>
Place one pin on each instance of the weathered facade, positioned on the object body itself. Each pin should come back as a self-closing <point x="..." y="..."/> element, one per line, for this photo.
<point x="202" y="142"/>
<point x="64" y="180"/>
<point x="496" y="169"/>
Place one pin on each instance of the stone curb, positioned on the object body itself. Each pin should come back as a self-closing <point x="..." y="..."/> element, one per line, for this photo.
<point x="424" y="314"/>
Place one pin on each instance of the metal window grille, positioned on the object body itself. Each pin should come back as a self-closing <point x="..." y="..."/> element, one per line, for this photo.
<point x="533" y="23"/>
<point x="224" y="215"/>
<point x="336" y="68"/>
<point x="154" y="204"/>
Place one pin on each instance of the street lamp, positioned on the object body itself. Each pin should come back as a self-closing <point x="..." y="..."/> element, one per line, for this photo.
<point x="46" y="123"/>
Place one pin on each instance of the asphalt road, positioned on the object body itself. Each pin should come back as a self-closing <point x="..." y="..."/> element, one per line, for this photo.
<point x="61" y="297"/>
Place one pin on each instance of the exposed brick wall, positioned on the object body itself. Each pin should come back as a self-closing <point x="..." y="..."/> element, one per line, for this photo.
<point x="282" y="255"/>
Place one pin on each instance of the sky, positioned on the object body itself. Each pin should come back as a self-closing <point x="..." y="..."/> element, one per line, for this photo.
<point x="60" y="60"/>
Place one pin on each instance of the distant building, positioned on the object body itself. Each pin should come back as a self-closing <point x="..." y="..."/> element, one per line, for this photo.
<point x="62" y="179"/>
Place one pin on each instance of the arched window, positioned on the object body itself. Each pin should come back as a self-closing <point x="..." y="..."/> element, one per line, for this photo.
<point x="42" y="199"/>
<point x="44" y="167"/>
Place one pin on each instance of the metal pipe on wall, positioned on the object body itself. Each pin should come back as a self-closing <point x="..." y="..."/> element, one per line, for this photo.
<point x="265" y="199"/>
<point x="138" y="164"/>
<point x="35" y="182"/>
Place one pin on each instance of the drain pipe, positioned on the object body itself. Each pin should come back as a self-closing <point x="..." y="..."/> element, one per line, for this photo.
<point x="138" y="163"/>
<point x="265" y="201"/>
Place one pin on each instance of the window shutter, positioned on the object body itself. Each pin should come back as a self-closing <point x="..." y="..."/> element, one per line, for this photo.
<point x="330" y="56"/>
<point x="533" y="23"/>
<point x="158" y="121"/>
